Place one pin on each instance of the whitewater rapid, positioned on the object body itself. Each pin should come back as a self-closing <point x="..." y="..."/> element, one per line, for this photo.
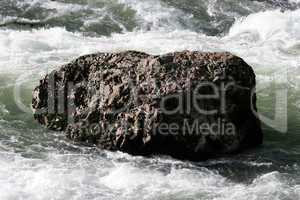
<point x="38" y="164"/>
<point x="257" y="38"/>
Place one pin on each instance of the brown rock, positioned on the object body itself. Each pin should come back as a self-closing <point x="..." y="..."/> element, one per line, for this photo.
<point x="144" y="104"/>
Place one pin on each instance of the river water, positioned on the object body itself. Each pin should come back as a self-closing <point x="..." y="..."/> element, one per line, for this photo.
<point x="37" y="36"/>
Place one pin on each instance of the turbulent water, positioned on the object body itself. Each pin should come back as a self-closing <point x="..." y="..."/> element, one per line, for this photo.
<point x="37" y="36"/>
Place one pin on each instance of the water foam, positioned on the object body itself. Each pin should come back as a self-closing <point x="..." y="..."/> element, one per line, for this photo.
<point x="154" y="15"/>
<point x="270" y="25"/>
<point x="270" y="41"/>
<point x="78" y="176"/>
<point x="30" y="50"/>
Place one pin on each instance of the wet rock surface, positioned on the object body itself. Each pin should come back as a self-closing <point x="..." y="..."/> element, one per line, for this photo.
<point x="190" y="105"/>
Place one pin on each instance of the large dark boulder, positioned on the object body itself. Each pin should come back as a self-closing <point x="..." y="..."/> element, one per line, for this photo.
<point x="189" y="105"/>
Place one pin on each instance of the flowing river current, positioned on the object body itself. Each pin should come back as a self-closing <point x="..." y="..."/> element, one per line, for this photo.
<point x="37" y="36"/>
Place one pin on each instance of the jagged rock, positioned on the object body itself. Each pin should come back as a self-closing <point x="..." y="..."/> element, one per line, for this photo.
<point x="144" y="104"/>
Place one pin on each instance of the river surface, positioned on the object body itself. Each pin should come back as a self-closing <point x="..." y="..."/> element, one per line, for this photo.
<point x="37" y="36"/>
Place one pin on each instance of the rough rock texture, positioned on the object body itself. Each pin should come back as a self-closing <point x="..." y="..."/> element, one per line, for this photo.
<point x="144" y="104"/>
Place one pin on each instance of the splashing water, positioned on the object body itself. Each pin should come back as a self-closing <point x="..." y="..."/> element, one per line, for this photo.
<point x="38" y="36"/>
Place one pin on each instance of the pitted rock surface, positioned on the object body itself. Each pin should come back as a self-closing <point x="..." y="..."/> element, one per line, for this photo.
<point x="144" y="104"/>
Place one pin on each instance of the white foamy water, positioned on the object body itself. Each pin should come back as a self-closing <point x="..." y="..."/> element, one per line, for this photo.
<point x="35" y="164"/>
<point x="256" y="38"/>
<point x="270" y="26"/>
<point x="119" y="176"/>
<point x="153" y="15"/>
